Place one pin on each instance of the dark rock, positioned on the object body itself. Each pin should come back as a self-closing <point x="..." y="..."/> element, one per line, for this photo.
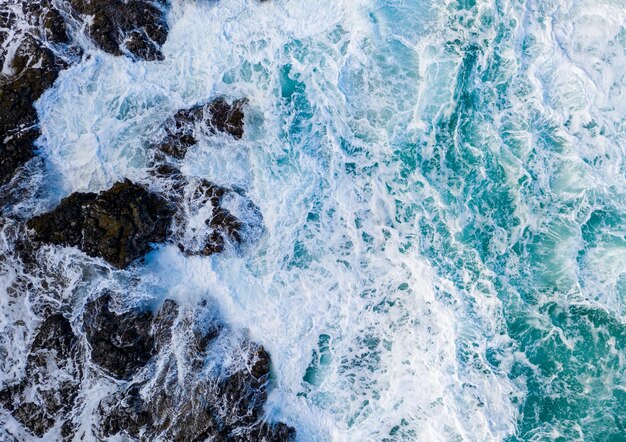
<point x="63" y="225"/>
<point x="128" y="414"/>
<point x="138" y="27"/>
<point x="268" y="432"/>
<point x="227" y="118"/>
<point x="55" y="345"/>
<point x="225" y="226"/>
<point x="176" y="146"/>
<point x="120" y="344"/>
<point x="33" y="417"/>
<point x="55" y="334"/>
<point x="222" y="226"/>
<point x="183" y="404"/>
<point x="122" y="222"/>
<point x="43" y="16"/>
<point x="163" y="322"/>
<point x="118" y="224"/>
<point x="217" y="115"/>
<point x="15" y="151"/>
<point x="34" y="70"/>
<point x="167" y="171"/>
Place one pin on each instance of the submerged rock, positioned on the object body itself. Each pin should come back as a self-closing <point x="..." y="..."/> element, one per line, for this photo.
<point x="215" y="116"/>
<point x="48" y="392"/>
<point x="204" y="226"/>
<point x="118" y="224"/>
<point x="136" y="27"/>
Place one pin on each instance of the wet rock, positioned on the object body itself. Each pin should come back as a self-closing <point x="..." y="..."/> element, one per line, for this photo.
<point x="33" y="417"/>
<point x="63" y="225"/>
<point x="15" y="151"/>
<point x="184" y="402"/>
<point x="122" y="222"/>
<point x="137" y="27"/>
<point x="118" y="224"/>
<point x="225" y="227"/>
<point x="54" y="334"/>
<point x="202" y="206"/>
<point x="176" y="146"/>
<point x="226" y="117"/>
<point x="163" y="322"/>
<point x="46" y="18"/>
<point x="34" y="69"/>
<point x="121" y="344"/>
<point x="215" y="116"/>
<point x="48" y="392"/>
<point x="267" y="432"/>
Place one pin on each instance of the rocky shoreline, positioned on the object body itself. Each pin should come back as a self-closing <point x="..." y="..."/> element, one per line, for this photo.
<point x="156" y="363"/>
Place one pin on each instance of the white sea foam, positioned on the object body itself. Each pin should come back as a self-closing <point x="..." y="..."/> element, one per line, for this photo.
<point x="336" y="278"/>
<point x="334" y="263"/>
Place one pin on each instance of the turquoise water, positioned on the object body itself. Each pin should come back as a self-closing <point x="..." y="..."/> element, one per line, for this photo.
<point x="530" y="173"/>
<point x="443" y="192"/>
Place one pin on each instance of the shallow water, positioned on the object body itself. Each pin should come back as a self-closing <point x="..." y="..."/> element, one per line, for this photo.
<point x="442" y="189"/>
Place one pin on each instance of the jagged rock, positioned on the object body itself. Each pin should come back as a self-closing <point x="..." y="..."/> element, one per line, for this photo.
<point x="118" y="224"/>
<point x="217" y="115"/>
<point x="122" y="222"/>
<point x="202" y="204"/>
<point x="46" y="18"/>
<point x="138" y="27"/>
<point x="15" y="151"/>
<point x="226" y="117"/>
<point x="163" y="322"/>
<point x="184" y="403"/>
<point x="54" y="334"/>
<point x="34" y="69"/>
<point x="120" y="344"/>
<point x="225" y="226"/>
<point x="54" y="348"/>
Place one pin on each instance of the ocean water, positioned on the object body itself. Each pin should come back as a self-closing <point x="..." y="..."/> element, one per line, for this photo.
<point x="441" y="191"/>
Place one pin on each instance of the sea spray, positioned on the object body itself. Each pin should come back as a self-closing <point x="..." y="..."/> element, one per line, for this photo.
<point x="440" y="188"/>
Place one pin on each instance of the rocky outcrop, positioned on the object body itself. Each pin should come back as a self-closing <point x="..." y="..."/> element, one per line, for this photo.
<point x="122" y="222"/>
<point x="225" y="117"/>
<point x="45" y="18"/>
<point x="118" y="224"/>
<point x="63" y="225"/>
<point x="183" y="400"/>
<point x="201" y="408"/>
<point x="121" y="344"/>
<point x="48" y="392"/>
<point x="34" y="69"/>
<point x="203" y="225"/>
<point x="134" y="27"/>
<point x="27" y="38"/>
<point x="203" y="381"/>
<point x="215" y="116"/>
